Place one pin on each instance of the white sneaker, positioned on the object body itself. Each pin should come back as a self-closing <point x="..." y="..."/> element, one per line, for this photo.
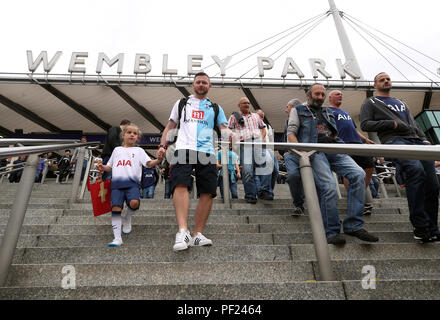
<point x="115" y="243"/>
<point x="126" y="224"/>
<point x="200" y="240"/>
<point x="183" y="238"/>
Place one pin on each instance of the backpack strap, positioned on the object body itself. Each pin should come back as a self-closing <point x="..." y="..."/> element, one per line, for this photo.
<point x="215" y="106"/>
<point x="182" y="104"/>
<point x="216" y="112"/>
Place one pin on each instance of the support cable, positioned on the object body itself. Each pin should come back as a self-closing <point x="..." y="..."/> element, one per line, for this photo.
<point x="378" y="51"/>
<point x="419" y="52"/>
<point x="301" y="35"/>
<point x="387" y="45"/>
<point x="298" y="26"/>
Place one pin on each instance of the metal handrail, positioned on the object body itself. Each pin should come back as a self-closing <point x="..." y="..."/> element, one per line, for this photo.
<point x="19" y="151"/>
<point x="16" y="167"/>
<point x="24" y="141"/>
<point x="19" y="207"/>
<point x="419" y="152"/>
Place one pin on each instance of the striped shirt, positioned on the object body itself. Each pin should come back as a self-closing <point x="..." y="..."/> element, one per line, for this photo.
<point x="251" y="129"/>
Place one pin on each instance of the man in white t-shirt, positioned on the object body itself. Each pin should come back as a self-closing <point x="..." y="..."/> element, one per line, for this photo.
<point x="194" y="150"/>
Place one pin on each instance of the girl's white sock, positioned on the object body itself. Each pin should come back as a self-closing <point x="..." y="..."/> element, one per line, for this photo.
<point x="117" y="225"/>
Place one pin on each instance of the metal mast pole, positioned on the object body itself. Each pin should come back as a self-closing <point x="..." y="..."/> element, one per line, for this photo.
<point x="345" y="42"/>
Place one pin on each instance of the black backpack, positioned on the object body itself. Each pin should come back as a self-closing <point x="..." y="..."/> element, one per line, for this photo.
<point x="182" y="104"/>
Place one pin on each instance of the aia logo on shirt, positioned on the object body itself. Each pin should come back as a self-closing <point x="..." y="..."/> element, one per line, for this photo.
<point x="123" y="163"/>
<point x="199" y="115"/>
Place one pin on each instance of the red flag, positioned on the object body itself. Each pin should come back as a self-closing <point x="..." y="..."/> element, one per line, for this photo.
<point x="100" y="193"/>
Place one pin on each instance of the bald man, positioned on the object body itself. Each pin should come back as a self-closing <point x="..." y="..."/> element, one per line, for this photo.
<point x="249" y="127"/>
<point x="349" y="134"/>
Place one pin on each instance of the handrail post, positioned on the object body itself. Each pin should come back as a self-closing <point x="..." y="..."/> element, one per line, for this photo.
<point x="86" y="176"/>
<point x="368" y="195"/>
<point x="338" y="190"/>
<point x="315" y="216"/>
<point x="77" y="175"/>
<point x="45" y="170"/>
<point x="396" y="186"/>
<point x="18" y="212"/>
<point x="225" y="175"/>
<point x="382" y="188"/>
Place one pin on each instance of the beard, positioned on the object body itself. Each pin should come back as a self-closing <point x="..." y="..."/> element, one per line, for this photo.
<point x="316" y="104"/>
<point x="201" y="92"/>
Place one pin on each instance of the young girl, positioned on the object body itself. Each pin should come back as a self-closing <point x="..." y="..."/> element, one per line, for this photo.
<point x="126" y="165"/>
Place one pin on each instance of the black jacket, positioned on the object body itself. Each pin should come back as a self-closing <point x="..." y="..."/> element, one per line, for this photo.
<point x="112" y="140"/>
<point x="377" y="117"/>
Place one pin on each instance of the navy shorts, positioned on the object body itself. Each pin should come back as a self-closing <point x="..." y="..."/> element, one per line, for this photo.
<point x="201" y="165"/>
<point x="118" y="196"/>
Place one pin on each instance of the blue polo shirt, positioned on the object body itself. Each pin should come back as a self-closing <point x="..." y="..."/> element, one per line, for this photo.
<point x="395" y="105"/>
<point x="346" y="126"/>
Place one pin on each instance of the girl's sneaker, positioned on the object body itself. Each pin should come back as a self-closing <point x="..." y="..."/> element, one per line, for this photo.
<point x="200" y="240"/>
<point x="183" y="238"/>
<point x="115" y="243"/>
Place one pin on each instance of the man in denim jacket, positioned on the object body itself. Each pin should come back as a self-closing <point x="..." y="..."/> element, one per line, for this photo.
<point x="312" y="123"/>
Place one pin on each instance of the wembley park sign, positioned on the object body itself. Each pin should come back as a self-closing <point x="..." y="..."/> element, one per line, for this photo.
<point x="142" y="64"/>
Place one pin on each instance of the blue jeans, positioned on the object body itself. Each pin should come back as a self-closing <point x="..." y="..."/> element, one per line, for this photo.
<point x="422" y="188"/>
<point x="167" y="189"/>
<point x="253" y="162"/>
<point x="374" y="186"/>
<point x="83" y="171"/>
<point x="106" y="174"/>
<point x="294" y="179"/>
<point x="232" y="187"/>
<point x="271" y="160"/>
<point x="344" y="165"/>
<point x="148" y="192"/>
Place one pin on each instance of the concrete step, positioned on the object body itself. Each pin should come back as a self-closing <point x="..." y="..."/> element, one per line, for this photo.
<point x="140" y="240"/>
<point x="177" y="273"/>
<point x="167" y="239"/>
<point x="254" y="291"/>
<point x="217" y="253"/>
<point x="173" y="273"/>
<point x="304" y="227"/>
<point x="127" y="255"/>
<point x="370" y="251"/>
<point x="335" y="290"/>
<point x="214" y="218"/>
<point x="210" y="228"/>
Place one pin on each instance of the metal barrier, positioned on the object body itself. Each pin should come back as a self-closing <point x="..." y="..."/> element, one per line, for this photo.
<point x="6" y="170"/>
<point x="317" y="226"/>
<point x="21" y="201"/>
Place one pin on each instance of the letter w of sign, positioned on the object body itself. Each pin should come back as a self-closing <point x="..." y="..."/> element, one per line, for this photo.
<point x="198" y="115"/>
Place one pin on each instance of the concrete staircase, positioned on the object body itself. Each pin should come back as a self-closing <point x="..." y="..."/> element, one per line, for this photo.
<point x="260" y="252"/>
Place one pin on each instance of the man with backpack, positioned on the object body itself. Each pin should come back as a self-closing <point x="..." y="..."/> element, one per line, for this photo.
<point x="194" y="149"/>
